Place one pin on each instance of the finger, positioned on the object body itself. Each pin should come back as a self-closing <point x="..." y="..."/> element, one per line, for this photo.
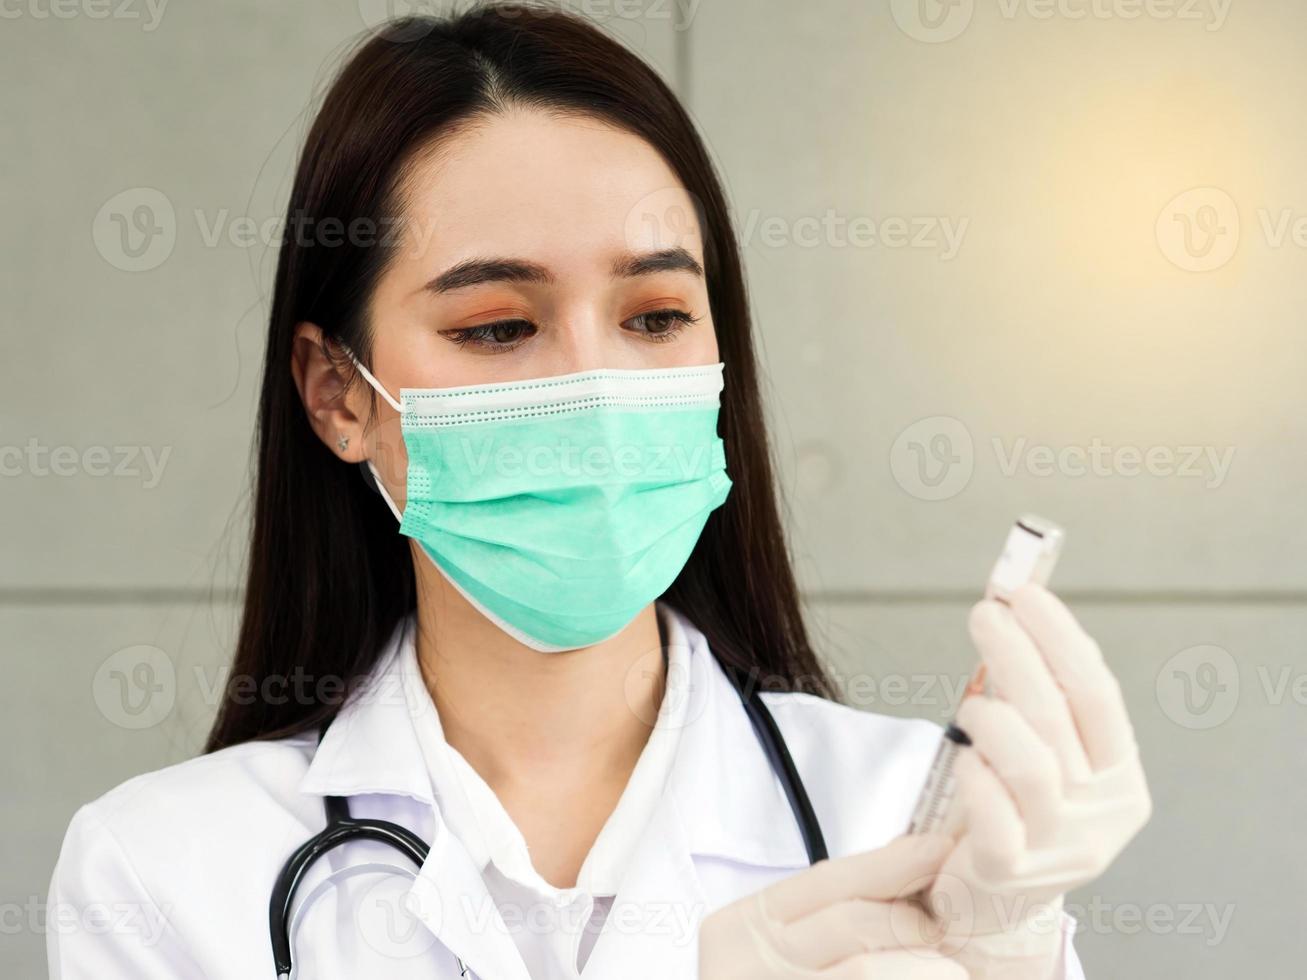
<point x="996" y="832"/>
<point x="1022" y="678"/>
<point x="885" y="874"/>
<point x="898" y="964"/>
<point x="852" y="928"/>
<point x="1022" y="761"/>
<point x="1092" y="690"/>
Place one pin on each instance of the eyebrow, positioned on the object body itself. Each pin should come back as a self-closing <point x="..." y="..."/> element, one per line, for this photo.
<point x="476" y="272"/>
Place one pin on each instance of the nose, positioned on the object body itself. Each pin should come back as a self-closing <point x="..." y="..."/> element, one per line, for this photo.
<point x="587" y="340"/>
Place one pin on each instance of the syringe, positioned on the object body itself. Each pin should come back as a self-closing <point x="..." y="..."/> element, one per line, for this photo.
<point x="1029" y="554"/>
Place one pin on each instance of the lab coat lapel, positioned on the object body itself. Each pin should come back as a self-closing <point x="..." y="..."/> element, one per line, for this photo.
<point x="652" y="929"/>
<point x="449" y="896"/>
<point x="734" y="804"/>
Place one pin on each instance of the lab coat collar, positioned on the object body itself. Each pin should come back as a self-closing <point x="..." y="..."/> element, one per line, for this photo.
<point x="724" y="795"/>
<point x="370" y="746"/>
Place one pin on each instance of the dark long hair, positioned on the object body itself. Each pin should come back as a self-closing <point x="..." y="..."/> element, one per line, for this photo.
<point x="329" y="576"/>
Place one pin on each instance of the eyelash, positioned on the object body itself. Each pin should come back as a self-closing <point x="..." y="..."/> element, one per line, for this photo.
<point x="483" y="334"/>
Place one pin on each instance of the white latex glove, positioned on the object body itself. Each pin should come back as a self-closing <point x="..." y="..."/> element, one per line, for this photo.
<point x="1051" y="790"/>
<point x="846" y="918"/>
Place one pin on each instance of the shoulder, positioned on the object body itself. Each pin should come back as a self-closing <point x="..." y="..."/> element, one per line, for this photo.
<point x="862" y="770"/>
<point x="142" y="851"/>
<point x="154" y="807"/>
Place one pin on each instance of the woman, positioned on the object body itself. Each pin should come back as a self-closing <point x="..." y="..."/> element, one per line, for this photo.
<point x="510" y="323"/>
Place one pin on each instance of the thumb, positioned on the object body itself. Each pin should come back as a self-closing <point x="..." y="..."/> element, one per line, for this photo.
<point x="901" y="868"/>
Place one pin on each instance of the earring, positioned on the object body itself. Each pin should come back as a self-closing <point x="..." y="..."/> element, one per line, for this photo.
<point x="342" y="443"/>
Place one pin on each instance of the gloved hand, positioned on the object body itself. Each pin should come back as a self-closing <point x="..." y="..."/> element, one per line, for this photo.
<point x="843" y="919"/>
<point x="1051" y="789"/>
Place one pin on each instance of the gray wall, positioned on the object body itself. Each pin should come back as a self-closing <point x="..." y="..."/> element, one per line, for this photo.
<point x="965" y="228"/>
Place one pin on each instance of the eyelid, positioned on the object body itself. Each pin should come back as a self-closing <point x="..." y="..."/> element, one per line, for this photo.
<point x="490" y="325"/>
<point x="681" y="320"/>
<point x="497" y="314"/>
<point x="476" y="335"/>
<point x="675" y="312"/>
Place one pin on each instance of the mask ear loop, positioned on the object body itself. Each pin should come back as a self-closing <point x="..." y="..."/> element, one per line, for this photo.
<point x="381" y="489"/>
<point x="380" y="389"/>
<point x="367" y="376"/>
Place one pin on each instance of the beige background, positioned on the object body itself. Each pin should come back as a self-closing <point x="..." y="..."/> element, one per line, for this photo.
<point x="924" y="388"/>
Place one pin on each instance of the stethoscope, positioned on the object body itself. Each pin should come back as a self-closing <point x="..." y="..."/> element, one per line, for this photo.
<point x="342" y="828"/>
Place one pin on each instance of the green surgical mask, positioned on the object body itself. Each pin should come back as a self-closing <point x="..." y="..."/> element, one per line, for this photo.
<point x="560" y="507"/>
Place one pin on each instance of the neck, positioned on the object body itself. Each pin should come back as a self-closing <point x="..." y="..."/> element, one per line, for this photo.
<point x="519" y="716"/>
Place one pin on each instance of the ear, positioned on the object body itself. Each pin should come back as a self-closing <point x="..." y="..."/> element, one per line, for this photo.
<point x="334" y="410"/>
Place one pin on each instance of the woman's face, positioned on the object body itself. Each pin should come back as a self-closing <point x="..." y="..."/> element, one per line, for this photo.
<point x="534" y="245"/>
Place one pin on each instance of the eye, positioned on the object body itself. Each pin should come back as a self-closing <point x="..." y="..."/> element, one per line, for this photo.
<point x="498" y="337"/>
<point x="660" y="326"/>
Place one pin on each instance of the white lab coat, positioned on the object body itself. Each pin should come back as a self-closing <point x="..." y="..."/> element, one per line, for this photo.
<point x="169" y="874"/>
